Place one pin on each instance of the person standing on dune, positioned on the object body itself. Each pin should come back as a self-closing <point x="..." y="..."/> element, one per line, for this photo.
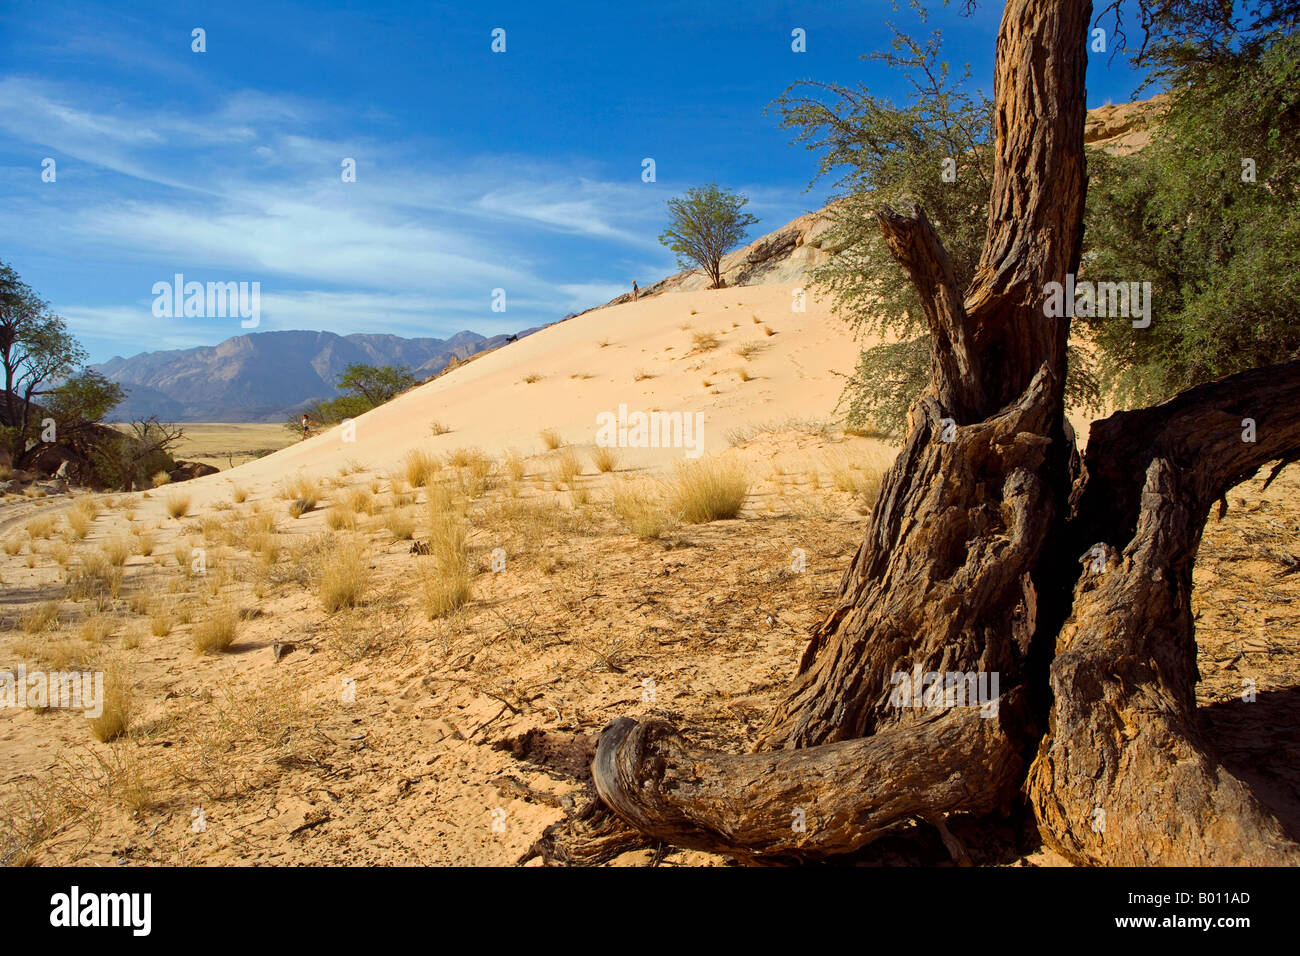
<point x="636" y="293"/>
<point x="306" y="426"/>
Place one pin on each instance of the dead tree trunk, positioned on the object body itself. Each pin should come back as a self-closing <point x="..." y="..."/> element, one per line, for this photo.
<point x="1124" y="776"/>
<point x="972" y="565"/>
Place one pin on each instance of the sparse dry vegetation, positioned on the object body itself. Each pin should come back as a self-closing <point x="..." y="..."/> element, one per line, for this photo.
<point x="178" y="504"/>
<point x="708" y="490"/>
<point x="217" y="629"/>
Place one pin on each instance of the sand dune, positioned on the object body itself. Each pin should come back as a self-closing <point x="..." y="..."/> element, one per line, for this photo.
<point x="591" y="364"/>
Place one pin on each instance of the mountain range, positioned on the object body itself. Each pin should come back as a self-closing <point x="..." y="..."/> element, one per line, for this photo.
<point x="268" y="376"/>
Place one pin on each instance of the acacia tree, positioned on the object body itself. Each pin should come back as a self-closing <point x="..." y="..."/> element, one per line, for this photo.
<point x="704" y="225"/>
<point x="993" y="548"/>
<point x="36" y="349"/>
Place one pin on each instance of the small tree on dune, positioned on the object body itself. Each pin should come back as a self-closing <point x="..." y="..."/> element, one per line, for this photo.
<point x="704" y="225"/>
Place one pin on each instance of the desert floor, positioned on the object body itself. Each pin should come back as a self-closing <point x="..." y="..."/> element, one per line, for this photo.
<point x="376" y="736"/>
<point x="229" y="444"/>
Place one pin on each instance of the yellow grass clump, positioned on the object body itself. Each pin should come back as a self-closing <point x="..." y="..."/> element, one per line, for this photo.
<point x="642" y="510"/>
<point x="445" y="573"/>
<point x="400" y="524"/>
<point x="41" y="527"/>
<point x="419" y="467"/>
<point x="118" y="702"/>
<point x="344" y="576"/>
<point x="705" y="341"/>
<point x="300" y="506"/>
<point x="178" y="504"/>
<point x="42" y="617"/>
<point x="79" y="523"/>
<point x="566" y="466"/>
<point x="116" y="551"/>
<point x="217" y="630"/>
<point x="707" y="490"/>
<point x="96" y="579"/>
<point x="605" y="459"/>
<point x="340" y="519"/>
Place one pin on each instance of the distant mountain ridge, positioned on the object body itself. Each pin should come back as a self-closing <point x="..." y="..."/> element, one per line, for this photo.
<point x="267" y="376"/>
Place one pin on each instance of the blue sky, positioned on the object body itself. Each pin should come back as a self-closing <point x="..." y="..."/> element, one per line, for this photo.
<point x="475" y="170"/>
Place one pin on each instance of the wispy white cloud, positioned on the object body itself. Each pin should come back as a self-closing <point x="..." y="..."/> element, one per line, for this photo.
<point x="249" y="190"/>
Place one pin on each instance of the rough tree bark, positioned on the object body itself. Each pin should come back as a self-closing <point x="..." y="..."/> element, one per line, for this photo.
<point x="972" y="563"/>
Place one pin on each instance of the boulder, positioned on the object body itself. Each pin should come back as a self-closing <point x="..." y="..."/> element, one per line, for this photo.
<point x="187" y="470"/>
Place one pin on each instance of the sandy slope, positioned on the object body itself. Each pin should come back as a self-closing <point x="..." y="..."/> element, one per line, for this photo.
<point x="487" y="404"/>
<point x="565" y="635"/>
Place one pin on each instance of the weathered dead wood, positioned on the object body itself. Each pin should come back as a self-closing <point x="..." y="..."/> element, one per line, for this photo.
<point x="1035" y="231"/>
<point x="808" y="803"/>
<point x="954" y="376"/>
<point x="942" y="581"/>
<point x="1124" y="775"/>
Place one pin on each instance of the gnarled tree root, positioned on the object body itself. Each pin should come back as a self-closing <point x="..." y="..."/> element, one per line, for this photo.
<point x="812" y="802"/>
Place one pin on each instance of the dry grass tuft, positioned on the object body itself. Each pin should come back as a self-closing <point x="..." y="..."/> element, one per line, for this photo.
<point x="300" y="506"/>
<point x="340" y="518"/>
<point x="704" y="341"/>
<point x="178" y="504"/>
<point x="95" y="579"/>
<point x="514" y="466"/>
<point x="79" y="523"/>
<point x="605" y="459"/>
<point x="420" y="466"/>
<point x="96" y="629"/>
<point x="566" y="466"/>
<point x="707" y="490"/>
<point x="43" y="617"/>
<point x="445" y="573"/>
<point x="217" y="630"/>
<point x="116" y="551"/>
<point x="641" y="509"/>
<point x="114" y="720"/>
<point x="551" y="438"/>
<point x="345" y="575"/>
<point x="40" y="527"/>
<point x="400" y="524"/>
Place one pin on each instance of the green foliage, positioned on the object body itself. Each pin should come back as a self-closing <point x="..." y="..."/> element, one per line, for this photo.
<point x="887" y="155"/>
<point x="1222" y="254"/>
<point x="365" y="387"/>
<point x="884" y="385"/>
<point x="81" y="402"/>
<point x="376" y="384"/>
<point x="704" y="225"/>
<point x="35" y="348"/>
